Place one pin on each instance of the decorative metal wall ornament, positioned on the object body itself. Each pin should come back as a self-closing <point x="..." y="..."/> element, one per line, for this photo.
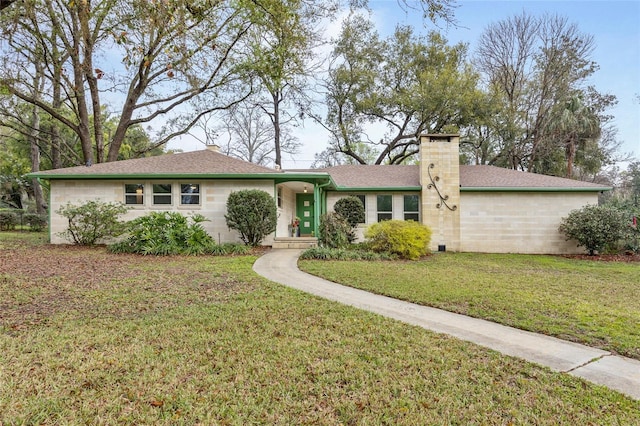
<point x="443" y="198"/>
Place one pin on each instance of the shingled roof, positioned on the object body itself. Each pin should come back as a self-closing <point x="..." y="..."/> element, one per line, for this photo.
<point x="484" y="177"/>
<point x="374" y="176"/>
<point x="471" y="178"/>
<point x="208" y="163"/>
<point x="194" y="163"/>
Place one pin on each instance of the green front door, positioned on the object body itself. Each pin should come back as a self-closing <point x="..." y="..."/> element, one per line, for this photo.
<point x="304" y="210"/>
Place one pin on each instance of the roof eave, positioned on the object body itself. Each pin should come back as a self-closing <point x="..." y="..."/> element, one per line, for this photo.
<point x="531" y="189"/>
<point x="40" y="175"/>
<point x="377" y="188"/>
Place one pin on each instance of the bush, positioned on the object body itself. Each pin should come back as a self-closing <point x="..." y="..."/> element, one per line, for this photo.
<point x="325" y="253"/>
<point x="166" y="233"/>
<point x="36" y="222"/>
<point x="252" y="213"/>
<point x="92" y="221"/>
<point x="596" y="227"/>
<point x="352" y="210"/>
<point x="334" y="231"/>
<point x="8" y="220"/>
<point x="407" y="239"/>
<point x="229" y="249"/>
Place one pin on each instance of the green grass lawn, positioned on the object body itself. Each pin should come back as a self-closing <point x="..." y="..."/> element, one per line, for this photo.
<point x="595" y="303"/>
<point x="88" y="337"/>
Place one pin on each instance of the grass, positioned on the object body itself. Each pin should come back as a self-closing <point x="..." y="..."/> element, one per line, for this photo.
<point x="595" y="303"/>
<point x="88" y="337"/>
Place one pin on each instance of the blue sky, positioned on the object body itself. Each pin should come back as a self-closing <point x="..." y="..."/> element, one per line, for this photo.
<point x="615" y="26"/>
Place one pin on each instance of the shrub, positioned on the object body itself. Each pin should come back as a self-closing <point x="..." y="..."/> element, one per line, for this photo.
<point x="595" y="227"/>
<point x="252" y="213"/>
<point x="407" y="239"/>
<point x="352" y="210"/>
<point x="166" y="233"/>
<point x="325" y="253"/>
<point x="334" y="231"/>
<point x="8" y="220"/>
<point x="36" y="222"/>
<point x="92" y="221"/>
<point x="229" y="249"/>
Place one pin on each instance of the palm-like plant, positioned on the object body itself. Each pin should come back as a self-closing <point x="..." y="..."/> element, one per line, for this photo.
<point x="574" y="124"/>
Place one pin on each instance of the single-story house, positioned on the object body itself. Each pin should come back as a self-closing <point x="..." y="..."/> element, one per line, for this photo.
<point x="468" y="208"/>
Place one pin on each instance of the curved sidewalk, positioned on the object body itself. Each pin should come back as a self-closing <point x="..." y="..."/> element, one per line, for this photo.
<point x="598" y="366"/>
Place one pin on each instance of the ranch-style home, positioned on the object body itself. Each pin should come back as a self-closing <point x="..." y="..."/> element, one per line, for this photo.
<point x="468" y="208"/>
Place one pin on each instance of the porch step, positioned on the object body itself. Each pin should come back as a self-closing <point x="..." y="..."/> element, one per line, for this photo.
<point x="294" y="242"/>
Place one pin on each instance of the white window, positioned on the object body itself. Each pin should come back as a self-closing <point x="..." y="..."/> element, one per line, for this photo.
<point x="161" y="193"/>
<point x="134" y="193"/>
<point x="190" y="193"/>
<point x="385" y="207"/>
<point x="411" y="208"/>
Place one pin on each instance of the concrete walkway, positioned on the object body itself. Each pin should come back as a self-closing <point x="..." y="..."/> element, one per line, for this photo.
<point x="595" y="365"/>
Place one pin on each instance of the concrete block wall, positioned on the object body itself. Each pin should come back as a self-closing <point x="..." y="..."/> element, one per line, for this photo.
<point x="213" y="201"/>
<point x="512" y="222"/>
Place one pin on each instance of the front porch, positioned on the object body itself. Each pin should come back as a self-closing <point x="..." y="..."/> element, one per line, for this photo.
<point x="301" y="201"/>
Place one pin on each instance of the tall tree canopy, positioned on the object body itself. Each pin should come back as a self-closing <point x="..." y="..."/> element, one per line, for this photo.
<point x="406" y="84"/>
<point x="539" y="111"/>
<point x="178" y="63"/>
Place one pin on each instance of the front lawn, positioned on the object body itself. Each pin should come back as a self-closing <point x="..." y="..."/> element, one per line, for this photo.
<point x="595" y="303"/>
<point x="88" y="337"/>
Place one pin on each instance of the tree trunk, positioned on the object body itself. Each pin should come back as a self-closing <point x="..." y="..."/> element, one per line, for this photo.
<point x="35" y="159"/>
<point x="84" y="15"/>
<point x="56" y="103"/>
<point x="276" y="126"/>
<point x="571" y="155"/>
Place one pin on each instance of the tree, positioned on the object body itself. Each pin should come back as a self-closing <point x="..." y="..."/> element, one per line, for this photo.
<point x="530" y="66"/>
<point x="5" y="3"/>
<point x="406" y="83"/>
<point x="575" y="124"/>
<point x="175" y="54"/>
<point x="183" y="59"/>
<point x="330" y="157"/>
<point x="282" y="48"/>
<point x="252" y="213"/>
<point x="250" y="137"/>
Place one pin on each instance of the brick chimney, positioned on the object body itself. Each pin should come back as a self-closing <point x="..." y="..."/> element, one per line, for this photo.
<point x="440" y="181"/>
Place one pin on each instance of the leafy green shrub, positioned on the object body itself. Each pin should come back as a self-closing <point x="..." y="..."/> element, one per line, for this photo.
<point x="8" y="220"/>
<point x="326" y="253"/>
<point x="92" y="221"/>
<point x="229" y="249"/>
<point x="352" y="209"/>
<point x="333" y="231"/>
<point x="407" y="239"/>
<point x="166" y="233"/>
<point x="252" y="213"/>
<point x="631" y="208"/>
<point x="596" y="227"/>
<point x="36" y="222"/>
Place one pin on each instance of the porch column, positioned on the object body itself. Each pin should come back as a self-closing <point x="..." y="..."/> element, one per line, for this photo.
<point x="316" y="208"/>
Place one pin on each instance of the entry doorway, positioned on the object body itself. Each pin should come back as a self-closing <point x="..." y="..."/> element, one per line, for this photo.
<point x="304" y="210"/>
